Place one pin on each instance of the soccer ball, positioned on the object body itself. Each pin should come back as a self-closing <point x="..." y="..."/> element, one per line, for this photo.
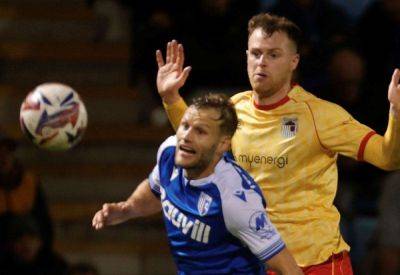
<point x="53" y="117"/>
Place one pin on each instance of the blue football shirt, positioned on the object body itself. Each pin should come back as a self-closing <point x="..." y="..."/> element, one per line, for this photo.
<point x="217" y="224"/>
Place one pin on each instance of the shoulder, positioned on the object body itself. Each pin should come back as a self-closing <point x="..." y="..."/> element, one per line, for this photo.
<point x="168" y="145"/>
<point x="241" y="97"/>
<point x="230" y="177"/>
<point x="316" y="105"/>
<point x="226" y="176"/>
<point x="299" y="94"/>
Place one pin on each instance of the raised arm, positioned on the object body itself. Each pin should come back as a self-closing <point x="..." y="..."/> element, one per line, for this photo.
<point x="171" y="77"/>
<point x="384" y="152"/>
<point x="141" y="203"/>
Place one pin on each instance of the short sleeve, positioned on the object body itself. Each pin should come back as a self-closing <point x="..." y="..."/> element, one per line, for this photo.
<point x="154" y="177"/>
<point x="154" y="180"/>
<point x="246" y="219"/>
<point x="337" y="130"/>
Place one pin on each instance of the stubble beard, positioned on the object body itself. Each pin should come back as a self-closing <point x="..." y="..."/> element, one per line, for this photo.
<point x="201" y="165"/>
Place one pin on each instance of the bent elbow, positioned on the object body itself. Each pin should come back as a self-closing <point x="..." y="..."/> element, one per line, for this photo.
<point x="391" y="165"/>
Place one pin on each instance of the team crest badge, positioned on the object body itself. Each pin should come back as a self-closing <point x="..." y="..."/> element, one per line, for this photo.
<point x="289" y="127"/>
<point x="204" y="203"/>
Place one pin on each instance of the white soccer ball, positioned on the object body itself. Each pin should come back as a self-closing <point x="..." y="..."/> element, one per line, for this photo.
<point x="53" y="117"/>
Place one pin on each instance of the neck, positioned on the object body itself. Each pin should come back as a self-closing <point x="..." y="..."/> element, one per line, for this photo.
<point x="269" y="99"/>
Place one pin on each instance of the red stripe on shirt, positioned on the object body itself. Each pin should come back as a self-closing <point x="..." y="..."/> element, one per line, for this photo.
<point x="363" y="144"/>
<point x="271" y="106"/>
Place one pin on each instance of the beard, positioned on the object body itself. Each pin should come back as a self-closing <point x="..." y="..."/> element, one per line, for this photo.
<point x="202" y="164"/>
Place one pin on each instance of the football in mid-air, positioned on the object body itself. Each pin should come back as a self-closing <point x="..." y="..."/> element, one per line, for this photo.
<point x="53" y="117"/>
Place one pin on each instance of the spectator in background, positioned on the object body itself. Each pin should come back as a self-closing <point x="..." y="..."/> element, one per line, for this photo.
<point x="27" y="234"/>
<point x="112" y="20"/>
<point x="325" y="26"/>
<point x="389" y="227"/>
<point x="23" y="251"/>
<point x="345" y="76"/>
<point x="20" y="190"/>
<point x="358" y="192"/>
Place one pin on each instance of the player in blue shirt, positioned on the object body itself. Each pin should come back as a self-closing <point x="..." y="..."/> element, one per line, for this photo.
<point x="213" y="210"/>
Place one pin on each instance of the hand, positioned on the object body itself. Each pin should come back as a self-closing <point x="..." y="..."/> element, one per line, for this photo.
<point x="394" y="93"/>
<point x="171" y="76"/>
<point x="111" y="214"/>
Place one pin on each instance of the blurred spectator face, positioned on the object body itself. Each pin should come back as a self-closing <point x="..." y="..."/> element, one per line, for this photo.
<point x="271" y="61"/>
<point x="347" y="72"/>
<point x="27" y="247"/>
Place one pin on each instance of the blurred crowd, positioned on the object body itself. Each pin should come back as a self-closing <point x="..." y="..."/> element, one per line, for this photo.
<point x="26" y="229"/>
<point x="348" y="54"/>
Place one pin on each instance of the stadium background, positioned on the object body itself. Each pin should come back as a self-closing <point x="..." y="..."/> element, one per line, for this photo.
<point x="105" y="50"/>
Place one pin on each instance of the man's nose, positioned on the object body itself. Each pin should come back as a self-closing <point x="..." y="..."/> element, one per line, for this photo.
<point x="262" y="61"/>
<point x="187" y="135"/>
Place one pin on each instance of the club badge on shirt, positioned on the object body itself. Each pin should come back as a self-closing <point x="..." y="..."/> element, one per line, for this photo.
<point x="289" y="127"/>
<point x="204" y="203"/>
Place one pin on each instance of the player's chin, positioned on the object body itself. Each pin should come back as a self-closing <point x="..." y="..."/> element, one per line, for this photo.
<point x="185" y="162"/>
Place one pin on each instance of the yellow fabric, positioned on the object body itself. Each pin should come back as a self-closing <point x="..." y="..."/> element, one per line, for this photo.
<point x="296" y="169"/>
<point x="20" y="200"/>
<point x="175" y="112"/>
<point x="384" y="152"/>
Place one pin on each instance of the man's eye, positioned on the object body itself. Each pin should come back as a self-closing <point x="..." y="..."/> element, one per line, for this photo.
<point x="256" y="54"/>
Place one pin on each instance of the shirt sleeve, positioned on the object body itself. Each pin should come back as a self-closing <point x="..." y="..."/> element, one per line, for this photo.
<point x="154" y="180"/>
<point x="175" y="112"/>
<point x="338" y="131"/>
<point x="383" y="151"/>
<point x="246" y="219"/>
<point x="154" y="177"/>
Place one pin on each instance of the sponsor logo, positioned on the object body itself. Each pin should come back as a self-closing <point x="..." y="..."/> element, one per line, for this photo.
<point x="241" y="195"/>
<point x="196" y="229"/>
<point x="279" y="162"/>
<point x="289" y="127"/>
<point x="260" y="225"/>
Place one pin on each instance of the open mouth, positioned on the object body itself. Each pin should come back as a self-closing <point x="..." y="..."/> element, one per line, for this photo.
<point x="187" y="149"/>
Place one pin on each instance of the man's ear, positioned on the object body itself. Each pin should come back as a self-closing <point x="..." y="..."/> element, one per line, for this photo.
<point x="295" y="61"/>
<point x="225" y="144"/>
